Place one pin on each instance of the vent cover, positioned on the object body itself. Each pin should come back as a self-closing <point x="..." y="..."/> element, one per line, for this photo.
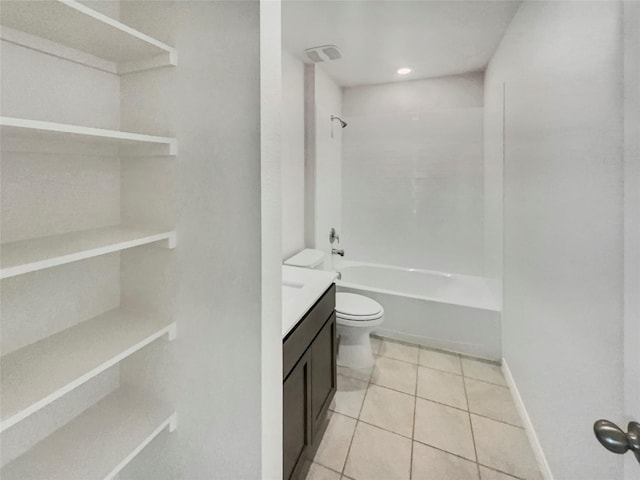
<point x="325" y="53"/>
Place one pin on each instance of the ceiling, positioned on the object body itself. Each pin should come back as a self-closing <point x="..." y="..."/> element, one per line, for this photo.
<point x="434" y="38"/>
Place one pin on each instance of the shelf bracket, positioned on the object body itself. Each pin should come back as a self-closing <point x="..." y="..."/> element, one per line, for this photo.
<point x="170" y="242"/>
<point x="168" y="59"/>
<point x="173" y="422"/>
<point x="172" y="332"/>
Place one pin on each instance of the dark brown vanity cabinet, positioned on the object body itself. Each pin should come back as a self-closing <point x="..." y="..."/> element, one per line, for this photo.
<point x="309" y="380"/>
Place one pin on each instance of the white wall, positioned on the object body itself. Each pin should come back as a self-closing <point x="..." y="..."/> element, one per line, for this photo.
<point x="412" y="174"/>
<point x="292" y="155"/>
<point x="271" y="144"/>
<point x="212" y="372"/>
<point x="493" y="185"/>
<point x="323" y="157"/>
<point x="562" y="317"/>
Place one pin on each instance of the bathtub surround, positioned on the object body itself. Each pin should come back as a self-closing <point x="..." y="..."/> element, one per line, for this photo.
<point x="561" y="64"/>
<point x="323" y="159"/>
<point x="293" y="175"/>
<point x="412" y="174"/>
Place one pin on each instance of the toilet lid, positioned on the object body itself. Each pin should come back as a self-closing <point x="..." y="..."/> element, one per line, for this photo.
<point x="353" y="305"/>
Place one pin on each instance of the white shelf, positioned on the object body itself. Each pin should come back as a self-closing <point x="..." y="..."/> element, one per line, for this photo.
<point x="40" y="373"/>
<point x="75" y="26"/>
<point x="99" y="443"/>
<point x="38" y="130"/>
<point x="17" y="258"/>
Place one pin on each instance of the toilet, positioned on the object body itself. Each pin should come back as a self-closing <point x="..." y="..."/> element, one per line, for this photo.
<point x="356" y="316"/>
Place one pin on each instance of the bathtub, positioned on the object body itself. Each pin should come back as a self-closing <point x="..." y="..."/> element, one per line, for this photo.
<point x="442" y="310"/>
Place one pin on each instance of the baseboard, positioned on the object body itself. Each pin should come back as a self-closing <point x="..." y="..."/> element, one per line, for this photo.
<point x="526" y="422"/>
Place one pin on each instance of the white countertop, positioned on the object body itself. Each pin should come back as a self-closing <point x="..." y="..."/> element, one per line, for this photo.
<point x="301" y="288"/>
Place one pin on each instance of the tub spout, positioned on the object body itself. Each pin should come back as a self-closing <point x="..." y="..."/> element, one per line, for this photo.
<point x="337" y="251"/>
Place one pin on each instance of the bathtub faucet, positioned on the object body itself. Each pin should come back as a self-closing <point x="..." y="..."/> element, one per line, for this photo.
<point x="337" y="251"/>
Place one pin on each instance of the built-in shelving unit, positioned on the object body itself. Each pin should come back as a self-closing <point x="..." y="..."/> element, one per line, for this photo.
<point x="26" y="256"/>
<point x="107" y="44"/>
<point x="97" y="444"/>
<point x="40" y="373"/>
<point x="34" y="129"/>
<point x="58" y="52"/>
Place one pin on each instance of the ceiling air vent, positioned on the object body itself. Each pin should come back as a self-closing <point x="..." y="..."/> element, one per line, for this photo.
<point x="325" y="53"/>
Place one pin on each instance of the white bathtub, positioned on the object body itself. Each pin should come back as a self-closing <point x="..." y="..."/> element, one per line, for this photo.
<point x="443" y="310"/>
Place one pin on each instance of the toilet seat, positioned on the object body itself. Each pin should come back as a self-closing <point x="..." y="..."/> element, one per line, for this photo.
<point x="357" y="308"/>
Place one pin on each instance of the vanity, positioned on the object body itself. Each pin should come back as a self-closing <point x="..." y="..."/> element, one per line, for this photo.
<point x="309" y="349"/>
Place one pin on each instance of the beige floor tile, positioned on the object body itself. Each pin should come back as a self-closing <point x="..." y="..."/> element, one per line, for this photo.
<point x="378" y="455"/>
<point x="399" y="351"/>
<point x="349" y="396"/>
<point x="504" y="447"/>
<point x="491" y="401"/>
<point x="334" y="446"/>
<point x="489" y="474"/>
<point x="318" y="472"/>
<point x="395" y="374"/>
<point x="362" y="374"/>
<point x="485" y="371"/>
<point x="432" y="464"/>
<point x="448" y="362"/>
<point x="389" y="409"/>
<point x="441" y="387"/>
<point x="375" y="345"/>
<point x="444" y="427"/>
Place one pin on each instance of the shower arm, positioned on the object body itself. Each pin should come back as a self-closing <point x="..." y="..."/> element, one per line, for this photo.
<point x="343" y="124"/>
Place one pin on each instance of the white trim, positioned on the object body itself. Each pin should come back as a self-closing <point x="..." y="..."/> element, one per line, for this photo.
<point x="526" y="422"/>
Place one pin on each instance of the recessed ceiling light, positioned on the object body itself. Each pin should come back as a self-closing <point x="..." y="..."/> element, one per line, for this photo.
<point x="404" y="71"/>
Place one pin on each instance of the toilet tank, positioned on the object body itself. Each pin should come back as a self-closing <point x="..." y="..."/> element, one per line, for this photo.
<point x="307" y="258"/>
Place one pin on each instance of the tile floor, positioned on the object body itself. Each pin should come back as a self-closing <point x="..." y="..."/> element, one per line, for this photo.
<point x="423" y="414"/>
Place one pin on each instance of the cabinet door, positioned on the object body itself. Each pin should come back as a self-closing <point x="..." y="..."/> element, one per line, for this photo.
<point x="296" y="403"/>
<point x="323" y="371"/>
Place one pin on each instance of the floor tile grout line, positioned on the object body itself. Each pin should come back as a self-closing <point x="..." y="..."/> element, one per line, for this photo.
<point x="444" y="451"/>
<point x="439" y="350"/>
<point x="445" y="404"/>
<point x="501" y="471"/>
<point x="496" y="420"/>
<point x="473" y="438"/>
<point x="434" y="401"/>
<point x="370" y="381"/>
<point x="413" y="429"/>
<point x="325" y="466"/>
<point x="428" y="400"/>
<point x="446" y="371"/>
<point x="346" y="458"/>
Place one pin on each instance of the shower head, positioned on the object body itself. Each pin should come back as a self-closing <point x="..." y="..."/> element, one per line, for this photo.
<point x="342" y="122"/>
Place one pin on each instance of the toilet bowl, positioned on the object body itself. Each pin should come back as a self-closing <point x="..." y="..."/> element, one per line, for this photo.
<point x="356" y="317"/>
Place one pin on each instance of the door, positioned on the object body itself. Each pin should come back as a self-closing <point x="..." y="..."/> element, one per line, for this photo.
<point x="632" y="224"/>
<point x="610" y="434"/>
